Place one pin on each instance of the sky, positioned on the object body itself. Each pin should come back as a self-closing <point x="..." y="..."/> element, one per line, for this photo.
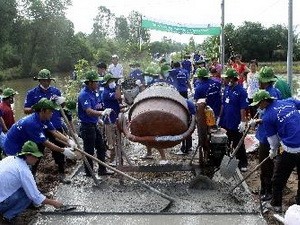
<point x="266" y="12"/>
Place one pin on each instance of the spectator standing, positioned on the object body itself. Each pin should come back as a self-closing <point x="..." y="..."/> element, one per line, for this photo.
<point x="115" y="68"/>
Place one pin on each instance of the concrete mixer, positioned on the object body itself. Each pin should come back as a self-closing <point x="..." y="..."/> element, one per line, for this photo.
<point x="159" y="117"/>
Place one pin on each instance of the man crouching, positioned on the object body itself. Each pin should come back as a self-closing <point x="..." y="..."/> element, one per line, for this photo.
<point x="18" y="188"/>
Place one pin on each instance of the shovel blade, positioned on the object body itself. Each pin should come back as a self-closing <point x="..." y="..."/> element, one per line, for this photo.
<point x="228" y="166"/>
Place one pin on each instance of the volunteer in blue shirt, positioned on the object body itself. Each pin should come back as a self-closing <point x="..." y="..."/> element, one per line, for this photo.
<point x="187" y="64"/>
<point x="233" y="114"/>
<point x="266" y="79"/>
<point x="18" y="188"/>
<point x="208" y="89"/>
<point x="44" y="90"/>
<point x="180" y="79"/>
<point x="281" y="122"/>
<point x="111" y="98"/>
<point x="88" y="113"/>
<point x="136" y="73"/>
<point x="151" y="75"/>
<point x="33" y="127"/>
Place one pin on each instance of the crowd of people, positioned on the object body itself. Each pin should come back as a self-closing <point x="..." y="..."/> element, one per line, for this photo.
<point x="243" y="95"/>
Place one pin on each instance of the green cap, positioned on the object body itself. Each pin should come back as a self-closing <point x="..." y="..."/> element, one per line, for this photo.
<point x="151" y="71"/>
<point x="202" y="72"/>
<point x="230" y="73"/>
<point x="266" y="74"/>
<point x="44" y="74"/>
<point x="165" y="68"/>
<point x="71" y="105"/>
<point x="45" y="103"/>
<point x="91" y="75"/>
<point x="31" y="148"/>
<point x="259" y="96"/>
<point x="108" y="77"/>
<point x="9" y="92"/>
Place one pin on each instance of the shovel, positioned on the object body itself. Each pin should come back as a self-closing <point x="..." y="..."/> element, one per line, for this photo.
<point x="229" y="163"/>
<point x="248" y="175"/>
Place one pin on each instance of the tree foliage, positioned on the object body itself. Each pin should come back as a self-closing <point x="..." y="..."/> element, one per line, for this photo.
<point x="36" y="34"/>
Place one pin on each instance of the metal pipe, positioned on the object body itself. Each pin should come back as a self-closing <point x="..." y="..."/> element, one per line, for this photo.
<point x="290" y="45"/>
<point x="223" y="34"/>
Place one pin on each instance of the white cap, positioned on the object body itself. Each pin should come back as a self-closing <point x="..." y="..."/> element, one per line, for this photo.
<point x="115" y="56"/>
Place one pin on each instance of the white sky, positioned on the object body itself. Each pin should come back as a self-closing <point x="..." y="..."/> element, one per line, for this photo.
<point x="267" y="12"/>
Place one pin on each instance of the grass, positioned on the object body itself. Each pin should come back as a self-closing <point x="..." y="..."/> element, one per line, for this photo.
<point x="281" y="67"/>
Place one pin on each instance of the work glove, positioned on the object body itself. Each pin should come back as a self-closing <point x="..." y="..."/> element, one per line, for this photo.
<point x="72" y="143"/>
<point x="68" y="152"/>
<point x="272" y="153"/>
<point x="138" y="83"/>
<point x="252" y="123"/>
<point x="107" y="112"/>
<point x="242" y="127"/>
<point x="60" y="100"/>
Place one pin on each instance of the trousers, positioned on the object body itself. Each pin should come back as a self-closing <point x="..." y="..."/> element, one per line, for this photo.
<point x="14" y="204"/>
<point x="92" y="139"/>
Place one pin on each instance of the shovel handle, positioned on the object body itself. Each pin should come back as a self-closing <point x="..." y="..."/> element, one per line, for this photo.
<point x="242" y="139"/>
<point x="125" y="175"/>
<point x="248" y="175"/>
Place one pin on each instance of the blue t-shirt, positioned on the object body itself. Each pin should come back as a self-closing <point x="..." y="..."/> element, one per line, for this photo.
<point x="191" y="107"/>
<point x="282" y="117"/>
<point x="234" y="99"/>
<point x="28" y="128"/>
<point x="180" y="79"/>
<point x="110" y="101"/>
<point x="35" y="94"/>
<point x="187" y="65"/>
<point x="261" y="132"/>
<point x="88" y="99"/>
<point x="137" y="74"/>
<point x="211" y="91"/>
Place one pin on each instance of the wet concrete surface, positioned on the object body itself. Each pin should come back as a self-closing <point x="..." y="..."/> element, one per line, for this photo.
<point x="153" y="220"/>
<point x="129" y="203"/>
<point x="111" y="198"/>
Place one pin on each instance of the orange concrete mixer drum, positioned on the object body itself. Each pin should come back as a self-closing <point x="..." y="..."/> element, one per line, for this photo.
<point x="159" y="111"/>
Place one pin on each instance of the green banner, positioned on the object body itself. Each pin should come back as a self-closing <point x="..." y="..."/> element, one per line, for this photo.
<point x="153" y="25"/>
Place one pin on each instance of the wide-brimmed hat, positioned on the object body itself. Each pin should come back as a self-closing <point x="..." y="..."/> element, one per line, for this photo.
<point x="107" y="78"/>
<point x="31" y="148"/>
<point x="71" y="105"/>
<point x="44" y="74"/>
<point x="7" y="92"/>
<point x="259" y="96"/>
<point x="45" y="103"/>
<point x="91" y="75"/>
<point x="202" y="72"/>
<point x="165" y="68"/>
<point x="266" y="75"/>
<point x="152" y="71"/>
<point x="230" y="73"/>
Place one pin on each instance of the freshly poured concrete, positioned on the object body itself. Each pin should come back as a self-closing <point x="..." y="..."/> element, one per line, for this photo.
<point x="153" y="220"/>
<point x="134" y="202"/>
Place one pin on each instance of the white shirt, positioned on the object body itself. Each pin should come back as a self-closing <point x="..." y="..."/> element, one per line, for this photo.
<point x="116" y="70"/>
<point x="252" y="84"/>
<point x="14" y="174"/>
